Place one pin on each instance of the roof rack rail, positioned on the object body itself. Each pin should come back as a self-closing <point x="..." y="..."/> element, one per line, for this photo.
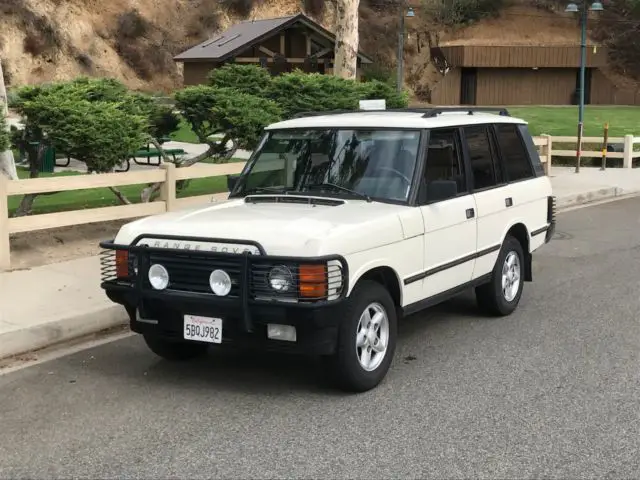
<point x="428" y="112"/>
<point x="432" y="112"/>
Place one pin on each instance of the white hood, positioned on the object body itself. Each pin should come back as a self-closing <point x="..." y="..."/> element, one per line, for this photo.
<point x="292" y="229"/>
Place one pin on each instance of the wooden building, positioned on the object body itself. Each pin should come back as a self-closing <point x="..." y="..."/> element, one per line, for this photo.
<point x="278" y="44"/>
<point x="523" y="75"/>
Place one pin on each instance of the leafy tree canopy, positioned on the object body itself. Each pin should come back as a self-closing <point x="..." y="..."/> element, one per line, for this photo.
<point x="251" y="79"/>
<point x="100" y="133"/>
<point x="236" y="116"/>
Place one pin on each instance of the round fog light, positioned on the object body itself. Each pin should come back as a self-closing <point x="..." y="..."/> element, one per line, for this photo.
<point x="220" y="282"/>
<point x="280" y="278"/>
<point x="158" y="277"/>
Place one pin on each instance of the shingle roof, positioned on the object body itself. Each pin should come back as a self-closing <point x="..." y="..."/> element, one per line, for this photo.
<point x="244" y="34"/>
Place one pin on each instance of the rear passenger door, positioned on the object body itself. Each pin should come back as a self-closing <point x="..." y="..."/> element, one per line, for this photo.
<point x="491" y="193"/>
<point x="449" y="220"/>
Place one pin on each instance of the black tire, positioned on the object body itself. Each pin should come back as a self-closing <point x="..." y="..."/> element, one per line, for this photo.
<point x="175" y="351"/>
<point x="345" y="367"/>
<point x="490" y="296"/>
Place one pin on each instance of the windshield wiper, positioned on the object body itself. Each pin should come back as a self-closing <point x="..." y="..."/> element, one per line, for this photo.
<point x="339" y="187"/>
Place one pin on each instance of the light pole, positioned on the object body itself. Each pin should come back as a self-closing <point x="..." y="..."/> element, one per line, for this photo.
<point x="582" y="9"/>
<point x="410" y="13"/>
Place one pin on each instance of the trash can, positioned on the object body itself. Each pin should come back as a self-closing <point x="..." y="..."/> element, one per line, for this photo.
<point x="49" y="160"/>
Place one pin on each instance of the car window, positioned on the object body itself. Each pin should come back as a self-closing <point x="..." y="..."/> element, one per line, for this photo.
<point x="482" y="160"/>
<point x="444" y="161"/>
<point x="514" y="153"/>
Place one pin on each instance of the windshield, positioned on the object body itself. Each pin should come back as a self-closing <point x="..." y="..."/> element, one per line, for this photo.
<point x="364" y="163"/>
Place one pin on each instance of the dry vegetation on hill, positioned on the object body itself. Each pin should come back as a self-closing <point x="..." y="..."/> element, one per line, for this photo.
<point x="135" y="40"/>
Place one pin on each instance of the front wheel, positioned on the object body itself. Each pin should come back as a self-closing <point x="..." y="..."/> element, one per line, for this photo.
<point x="366" y="339"/>
<point x="502" y="294"/>
<point x="175" y="350"/>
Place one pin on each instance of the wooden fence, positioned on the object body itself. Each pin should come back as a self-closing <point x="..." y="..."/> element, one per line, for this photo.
<point x="168" y="175"/>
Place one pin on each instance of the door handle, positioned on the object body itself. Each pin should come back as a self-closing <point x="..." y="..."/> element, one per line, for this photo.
<point x="508" y="201"/>
<point x="470" y="213"/>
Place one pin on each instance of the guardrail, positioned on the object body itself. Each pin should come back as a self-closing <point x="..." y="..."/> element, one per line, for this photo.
<point x="168" y="175"/>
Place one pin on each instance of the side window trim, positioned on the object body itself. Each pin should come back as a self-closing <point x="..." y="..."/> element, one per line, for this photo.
<point x="423" y="145"/>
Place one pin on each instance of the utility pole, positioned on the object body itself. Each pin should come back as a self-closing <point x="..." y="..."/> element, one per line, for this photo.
<point x="7" y="162"/>
<point x="400" y="79"/>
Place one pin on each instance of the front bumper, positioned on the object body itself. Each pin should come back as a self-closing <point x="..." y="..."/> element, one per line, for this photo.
<point x="245" y="312"/>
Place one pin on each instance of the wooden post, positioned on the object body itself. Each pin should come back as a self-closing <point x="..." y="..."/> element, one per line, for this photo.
<point x="168" y="189"/>
<point x="5" y="248"/>
<point x="605" y="141"/>
<point x="627" y="161"/>
<point x="546" y="152"/>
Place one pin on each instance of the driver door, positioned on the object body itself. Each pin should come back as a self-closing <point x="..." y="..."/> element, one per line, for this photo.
<point x="449" y="213"/>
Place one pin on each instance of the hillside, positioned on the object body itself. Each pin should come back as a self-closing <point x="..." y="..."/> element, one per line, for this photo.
<point x="135" y="40"/>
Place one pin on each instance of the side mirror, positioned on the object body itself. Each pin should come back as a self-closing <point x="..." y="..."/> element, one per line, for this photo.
<point x="231" y="181"/>
<point x="439" y="190"/>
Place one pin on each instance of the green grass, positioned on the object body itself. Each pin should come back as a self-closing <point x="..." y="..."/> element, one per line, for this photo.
<point x="563" y="121"/>
<point x="184" y="133"/>
<point x="103" y="197"/>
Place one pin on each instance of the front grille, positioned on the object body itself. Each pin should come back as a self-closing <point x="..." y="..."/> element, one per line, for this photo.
<point x="191" y="273"/>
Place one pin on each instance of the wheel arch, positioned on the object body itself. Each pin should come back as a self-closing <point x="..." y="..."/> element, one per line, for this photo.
<point x="521" y="233"/>
<point x="386" y="276"/>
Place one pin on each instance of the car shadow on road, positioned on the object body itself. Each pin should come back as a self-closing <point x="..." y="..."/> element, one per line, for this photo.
<point x="225" y="369"/>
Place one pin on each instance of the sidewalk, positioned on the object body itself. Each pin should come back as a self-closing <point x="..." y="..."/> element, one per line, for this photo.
<point x="54" y="303"/>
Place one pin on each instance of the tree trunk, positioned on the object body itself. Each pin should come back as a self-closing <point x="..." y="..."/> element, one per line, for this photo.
<point x="346" y="52"/>
<point x="7" y="162"/>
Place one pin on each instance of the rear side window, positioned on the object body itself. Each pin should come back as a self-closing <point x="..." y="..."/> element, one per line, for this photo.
<point x="484" y="168"/>
<point x="514" y="154"/>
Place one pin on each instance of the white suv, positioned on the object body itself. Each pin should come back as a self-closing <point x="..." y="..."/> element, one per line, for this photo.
<point x="339" y="225"/>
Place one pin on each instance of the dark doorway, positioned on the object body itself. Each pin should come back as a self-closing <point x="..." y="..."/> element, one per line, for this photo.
<point x="468" y="86"/>
<point x="588" y="72"/>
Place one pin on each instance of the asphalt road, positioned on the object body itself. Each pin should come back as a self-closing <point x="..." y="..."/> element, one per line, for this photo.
<point x="553" y="390"/>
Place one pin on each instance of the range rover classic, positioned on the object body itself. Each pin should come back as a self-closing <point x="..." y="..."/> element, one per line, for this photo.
<point x="339" y="225"/>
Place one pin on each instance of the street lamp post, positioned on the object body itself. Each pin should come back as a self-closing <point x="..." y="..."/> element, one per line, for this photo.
<point x="410" y="13"/>
<point x="573" y="8"/>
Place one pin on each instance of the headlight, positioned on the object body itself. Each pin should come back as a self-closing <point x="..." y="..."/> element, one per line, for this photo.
<point x="280" y="279"/>
<point x="158" y="277"/>
<point x="220" y="282"/>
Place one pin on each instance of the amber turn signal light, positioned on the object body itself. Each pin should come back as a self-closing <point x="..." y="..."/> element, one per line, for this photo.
<point x="122" y="264"/>
<point x="313" y="281"/>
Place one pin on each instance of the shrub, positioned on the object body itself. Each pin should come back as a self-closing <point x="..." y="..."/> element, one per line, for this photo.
<point x="241" y="8"/>
<point x="4" y="134"/>
<point x="251" y="79"/>
<point x="241" y="117"/>
<point x="376" y="89"/>
<point x="131" y="25"/>
<point x="299" y="92"/>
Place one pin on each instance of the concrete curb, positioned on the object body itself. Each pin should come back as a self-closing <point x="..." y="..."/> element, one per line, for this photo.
<point x="568" y="201"/>
<point x="63" y="329"/>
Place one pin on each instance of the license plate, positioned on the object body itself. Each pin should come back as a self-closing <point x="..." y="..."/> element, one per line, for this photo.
<point x="203" y="329"/>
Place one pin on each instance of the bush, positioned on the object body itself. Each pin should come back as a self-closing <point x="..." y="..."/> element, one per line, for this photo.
<point x="299" y="92"/>
<point x="251" y="79"/>
<point x="376" y="89"/>
<point x="239" y="116"/>
<point x="4" y="134"/>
